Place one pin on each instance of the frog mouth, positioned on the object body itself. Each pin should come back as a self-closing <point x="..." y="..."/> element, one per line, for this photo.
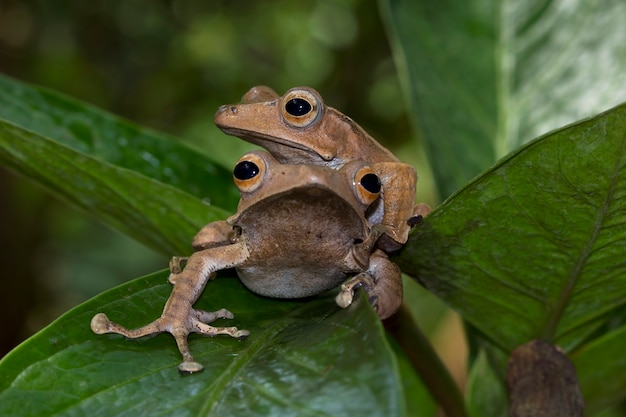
<point x="276" y="145"/>
<point x="281" y="148"/>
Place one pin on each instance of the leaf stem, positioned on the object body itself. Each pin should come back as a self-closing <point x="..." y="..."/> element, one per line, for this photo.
<point x="426" y="362"/>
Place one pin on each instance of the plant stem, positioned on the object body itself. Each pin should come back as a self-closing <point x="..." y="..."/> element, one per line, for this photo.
<point x="426" y="362"/>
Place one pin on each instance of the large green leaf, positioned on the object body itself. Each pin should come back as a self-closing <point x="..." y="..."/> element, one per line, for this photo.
<point x="301" y="358"/>
<point x="484" y="76"/>
<point x="95" y="133"/>
<point x="140" y="182"/>
<point x="159" y="215"/>
<point x="535" y="247"/>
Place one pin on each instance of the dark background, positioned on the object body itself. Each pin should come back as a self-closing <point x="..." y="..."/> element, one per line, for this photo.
<point x="167" y="65"/>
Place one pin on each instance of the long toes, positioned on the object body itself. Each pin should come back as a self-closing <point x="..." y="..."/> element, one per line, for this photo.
<point x="211" y="316"/>
<point x="224" y="314"/>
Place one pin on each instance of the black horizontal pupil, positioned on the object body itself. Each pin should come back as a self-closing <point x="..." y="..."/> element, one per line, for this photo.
<point x="371" y="183"/>
<point x="245" y="170"/>
<point x="298" y="107"/>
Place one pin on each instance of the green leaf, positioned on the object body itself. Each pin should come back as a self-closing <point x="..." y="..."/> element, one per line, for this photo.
<point x="142" y="183"/>
<point x="535" y="247"/>
<point x="154" y="213"/>
<point x="419" y="401"/>
<point x="301" y="358"/>
<point x="95" y="133"/>
<point x="483" y="77"/>
<point x="601" y="370"/>
<point x="486" y="393"/>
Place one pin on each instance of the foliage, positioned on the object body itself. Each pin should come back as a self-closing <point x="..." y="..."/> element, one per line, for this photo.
<point x="531" y="248"/>
<point x="486" y="76"/>
<point x="290" y="367"/>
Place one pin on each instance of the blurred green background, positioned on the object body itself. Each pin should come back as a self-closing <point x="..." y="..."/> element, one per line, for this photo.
<point x="169" y="65"/>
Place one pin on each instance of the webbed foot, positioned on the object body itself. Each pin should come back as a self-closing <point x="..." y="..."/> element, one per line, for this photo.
<point x="179" y="318"/>
<point x="346" y="294"/>
<point x="179" y="325"/>
<point x="383" y="283"/>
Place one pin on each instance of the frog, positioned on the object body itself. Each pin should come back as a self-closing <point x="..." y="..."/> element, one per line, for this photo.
<point x="299" y="230"/>
<point x="299" y="128"/>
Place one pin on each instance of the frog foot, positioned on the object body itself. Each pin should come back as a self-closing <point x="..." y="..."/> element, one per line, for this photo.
<point x="194" y="321"/>
<point x="346" y="294"/>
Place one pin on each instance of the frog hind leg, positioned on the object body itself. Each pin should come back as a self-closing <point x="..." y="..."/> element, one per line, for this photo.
<point x="383" y="283"/>
<point x="179" y="318"/>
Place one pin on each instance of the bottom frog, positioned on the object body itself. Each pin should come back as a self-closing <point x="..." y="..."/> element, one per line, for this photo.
<point x="299" y="230"/>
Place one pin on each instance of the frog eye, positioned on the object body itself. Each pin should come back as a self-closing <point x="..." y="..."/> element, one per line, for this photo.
<point x="368" y="186"/>
<point x="301" y="108"/>
<point x="249" y="172"/>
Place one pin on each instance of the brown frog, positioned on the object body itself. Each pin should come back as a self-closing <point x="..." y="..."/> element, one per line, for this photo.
<point x="299" y="230"/>
<point x="298" y="128"/>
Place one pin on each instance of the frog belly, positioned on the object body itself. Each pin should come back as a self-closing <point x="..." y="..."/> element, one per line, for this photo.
<point x="300" y="243"/>
<point x="290" y="281"/>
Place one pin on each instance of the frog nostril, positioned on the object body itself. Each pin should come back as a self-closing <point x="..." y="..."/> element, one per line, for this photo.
<point x="233" y="109"/>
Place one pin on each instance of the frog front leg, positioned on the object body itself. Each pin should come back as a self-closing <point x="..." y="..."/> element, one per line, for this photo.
<point x="398" y="184"/>
<point x="214" y="234"/>
<point x="179" y="318"/>
<point x="383" y="283"/>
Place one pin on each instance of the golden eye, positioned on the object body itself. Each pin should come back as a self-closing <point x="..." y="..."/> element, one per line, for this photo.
<point x="249" y="172"/>
<point x="301" y="108"/>
<point x="368" y="185"/>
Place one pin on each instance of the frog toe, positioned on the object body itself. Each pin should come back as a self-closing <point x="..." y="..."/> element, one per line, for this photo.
<point x="201" y="320"/>
<point x="207" y="330"/>
<point x="190" y="367"/>
<point x="242" y="334"/>
<point x="100" y="323"/>
<point x="211" y="316"/>
<point x="344" y="299"/>
<point x="374" y="302"/>
<point x="346" y="294"/>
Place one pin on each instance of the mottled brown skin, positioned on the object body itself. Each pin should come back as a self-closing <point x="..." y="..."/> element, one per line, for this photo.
<point x="299" y="230"/>
<point x="326" y="137"/>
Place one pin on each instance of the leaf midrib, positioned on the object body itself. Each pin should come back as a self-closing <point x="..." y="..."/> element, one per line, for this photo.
<point x="504" y="62"/>
<point x="216" y="389"/>
<point x="548" y="332"/>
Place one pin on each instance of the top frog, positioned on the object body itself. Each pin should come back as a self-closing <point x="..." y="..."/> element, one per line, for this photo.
<point x="298" y="128"/>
